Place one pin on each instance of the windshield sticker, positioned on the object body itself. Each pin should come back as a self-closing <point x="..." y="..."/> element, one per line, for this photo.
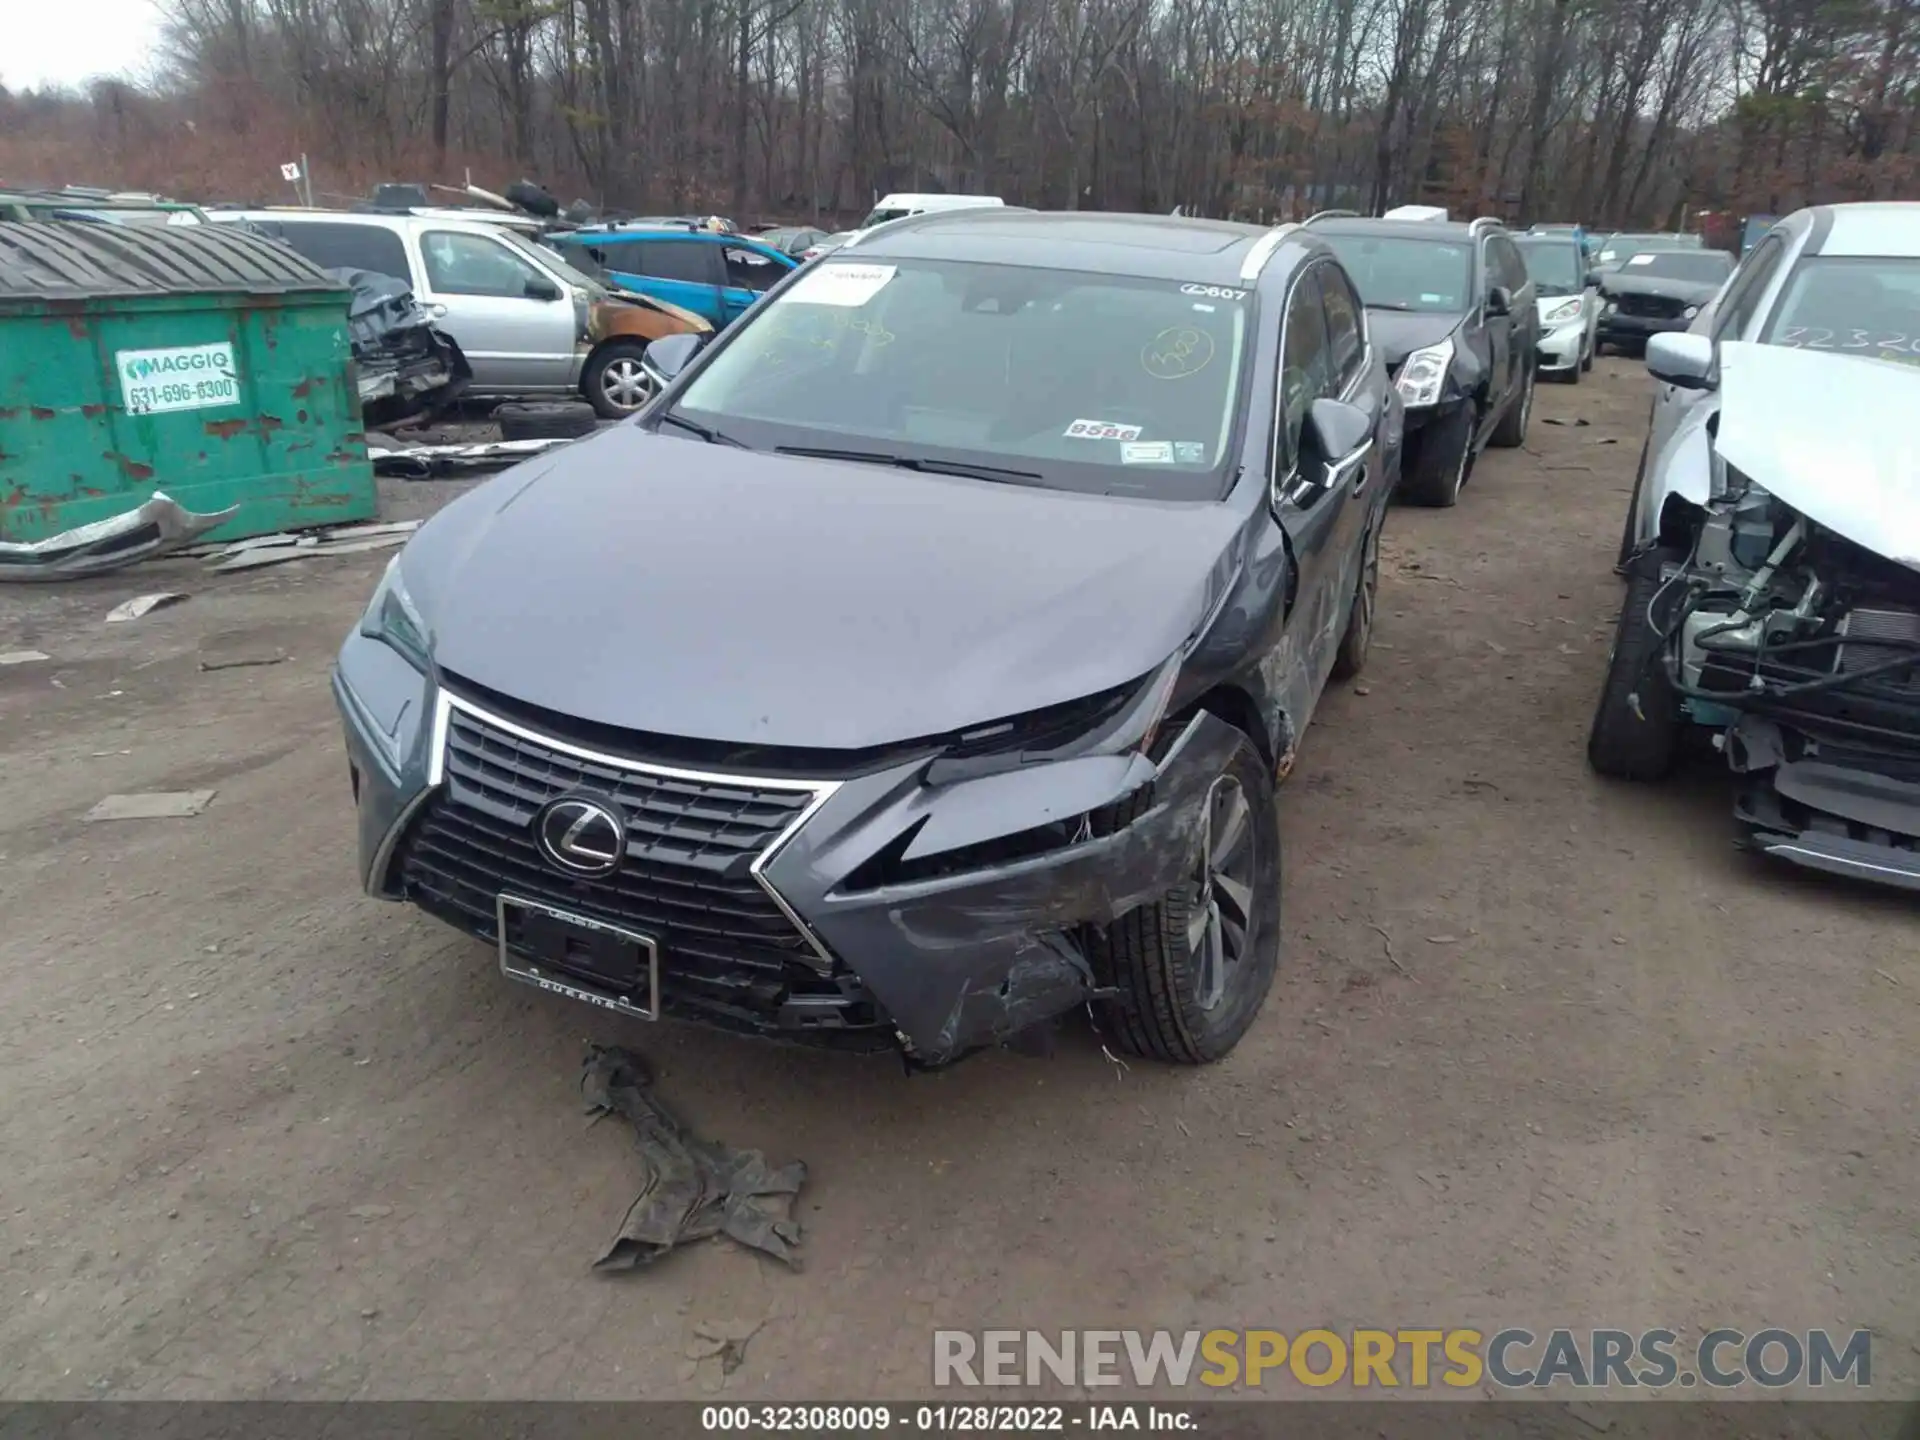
<point x="1640" y="260"/>
<point x="1203" y="309"/>
<point x="1101" y="430"/>
<point x="1426" y="299"/>
<point x="1177" y="352"/>
<point x="848" y="285"/>
<point x="1189" y="452"/>
<point x="1149" y="452"/>
<point x="1215" y="292"/>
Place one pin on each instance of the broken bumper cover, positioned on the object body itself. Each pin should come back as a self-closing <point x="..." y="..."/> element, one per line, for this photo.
<point x="966" y="951"/>
<point x="1842" y="809"/>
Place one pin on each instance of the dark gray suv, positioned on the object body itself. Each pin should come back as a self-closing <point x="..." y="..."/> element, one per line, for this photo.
<point x="921" y="664"/>
<point x="1453" y="312"/>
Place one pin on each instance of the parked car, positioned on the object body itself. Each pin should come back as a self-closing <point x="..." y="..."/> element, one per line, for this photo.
<point x="1615" y="249"/>
<point x="896" y="207"/>
<point x="1655" y="292"/>
<point x="105" y="207"/>
<point x="528" y="323"/>
<point x="794" y="240"/>
<point x="1568" y="301"/>
<point x="937" y="679"/>
<point x="1451" y="307"/>
<point x="1776" y="603"/>
<point x="1842" y="278"/>
<point x="715" y="276"/>
<point x="826" y="245"/>
<point x="1581" y="236"/>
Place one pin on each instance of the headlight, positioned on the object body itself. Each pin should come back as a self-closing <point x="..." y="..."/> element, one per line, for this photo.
<point x="1564" y="311"/>
<point x="1689" y="312"/>
<point x="1115" y="722"/>
<point x="394" y="620"/>
<point x="1420" y="378"/>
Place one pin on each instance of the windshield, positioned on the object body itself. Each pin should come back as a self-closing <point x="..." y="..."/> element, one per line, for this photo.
<point x="551" y="258"/>
<point x="1856" y="305"/>
<point x="880" y="216"/>
<point x="1403" y="273"/>
<point x="1555" y="266"/>
<point x="1075" y="381"/>
<point x="1704" y="267"/>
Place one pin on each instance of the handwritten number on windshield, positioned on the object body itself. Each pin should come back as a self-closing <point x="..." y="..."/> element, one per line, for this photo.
<point x="1176" y="353"/>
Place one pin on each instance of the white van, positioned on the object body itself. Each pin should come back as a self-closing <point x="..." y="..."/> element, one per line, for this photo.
<point x="897" y="207"/>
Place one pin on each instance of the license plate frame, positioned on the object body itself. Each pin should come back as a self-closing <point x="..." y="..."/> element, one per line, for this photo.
<point x="545" y="976"/>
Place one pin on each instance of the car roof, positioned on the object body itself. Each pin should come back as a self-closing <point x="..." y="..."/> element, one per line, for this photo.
<point x="374" y="219"/>
<point x="1153" y="247"/>
<point x="588" y="233"/>
<point x="1458" y="232"/>
<point x="1884" y="227"/>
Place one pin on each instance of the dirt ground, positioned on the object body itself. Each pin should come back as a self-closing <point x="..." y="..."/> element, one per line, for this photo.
<point x="1544" y="1050"/>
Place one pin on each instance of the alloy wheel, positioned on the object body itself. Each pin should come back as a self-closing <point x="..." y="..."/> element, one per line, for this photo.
<point x="1221" y="927"/>
<point x="625" y="383"/>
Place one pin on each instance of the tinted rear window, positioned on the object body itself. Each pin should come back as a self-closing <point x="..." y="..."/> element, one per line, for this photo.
<point x="334" y="246"/>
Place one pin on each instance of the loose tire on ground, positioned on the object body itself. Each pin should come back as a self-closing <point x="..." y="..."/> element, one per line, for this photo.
<point x="545" y="419"/>
<point x="1629" y="742"/>
<point x="1145" y="954"/>
<point x="614" y="382"/>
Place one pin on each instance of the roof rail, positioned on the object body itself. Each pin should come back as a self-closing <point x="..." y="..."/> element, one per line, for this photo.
<point x="1262" y="251"/>
<point x="1479" y="220"/>
<point x="1331" y="215"/>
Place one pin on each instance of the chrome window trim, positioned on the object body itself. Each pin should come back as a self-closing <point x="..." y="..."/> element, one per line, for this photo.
<point x="445" y="703"/>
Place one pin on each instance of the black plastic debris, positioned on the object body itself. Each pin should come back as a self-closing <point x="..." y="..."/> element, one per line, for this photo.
<point x="694" y="1188"/>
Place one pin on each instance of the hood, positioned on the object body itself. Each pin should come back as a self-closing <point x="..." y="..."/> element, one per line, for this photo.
<point x="1694" y="292"/>
<point x="695" y="590"/>
<point x="1399" y="333"/>
<point x="1823" y="433"/>
<point x="613" y="314"/>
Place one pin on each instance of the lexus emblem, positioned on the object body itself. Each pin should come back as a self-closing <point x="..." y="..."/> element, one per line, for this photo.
<point x="581" y="836"/>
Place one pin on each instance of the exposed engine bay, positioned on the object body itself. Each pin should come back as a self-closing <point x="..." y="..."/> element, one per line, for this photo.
<point x="403" y="364"/>
<point x="1802" y="649"/>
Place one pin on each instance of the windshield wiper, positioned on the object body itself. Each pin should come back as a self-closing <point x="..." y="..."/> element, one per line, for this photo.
<point x="712" y="437"/>
<point x="910" y="462"/>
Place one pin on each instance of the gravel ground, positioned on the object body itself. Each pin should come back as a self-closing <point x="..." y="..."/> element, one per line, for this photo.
<point x="1544" y="1050"/>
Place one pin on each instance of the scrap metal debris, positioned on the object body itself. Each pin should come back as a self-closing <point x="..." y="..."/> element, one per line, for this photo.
<point x="694" y="1188"/>
<point x="152" y="805"/>
<point x="302" y="549"/>
<point x="143" y="604"/>
<point x="158" y="526"/>
<point x="425" y="462"/>
<point x="23" y="657"/>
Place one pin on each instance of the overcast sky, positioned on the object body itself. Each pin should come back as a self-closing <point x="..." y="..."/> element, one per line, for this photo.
<point x="69" y="42"/>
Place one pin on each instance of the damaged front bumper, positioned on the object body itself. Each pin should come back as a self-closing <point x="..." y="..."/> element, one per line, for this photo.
<point x="880" y="912"/>
<point x="1561" y="347"/>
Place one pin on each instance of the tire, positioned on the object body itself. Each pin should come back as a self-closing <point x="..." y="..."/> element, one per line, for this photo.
<point x="1586" y="361"/>
<point x="1148" y="957"/>
<point x="614" y="382"/>
<point x="1629" y="741"/>
<point x="1351" y="658"/>
<point x="545" y="419"/>
<point x="1511" y="432"/>
<point x="1446" y="459"/>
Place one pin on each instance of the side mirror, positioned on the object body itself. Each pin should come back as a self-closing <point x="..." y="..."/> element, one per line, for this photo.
<point x="1335" y="430"/>
<point x="670" y="354"/>
<point x="1499" y="301"/>
<point x="1681" y="359"/>
<point x="541" y="288"/>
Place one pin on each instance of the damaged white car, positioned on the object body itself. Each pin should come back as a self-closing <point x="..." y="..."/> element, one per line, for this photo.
<point x="1773" y="601"/>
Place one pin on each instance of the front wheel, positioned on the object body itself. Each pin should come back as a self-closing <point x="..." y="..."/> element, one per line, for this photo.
<point x="1511" y="432"/>
<point x="1446" y="457"/>
<point x="1193" y="969"/>
<point x="1351" y="658"/>
<point x="615" y="382"/>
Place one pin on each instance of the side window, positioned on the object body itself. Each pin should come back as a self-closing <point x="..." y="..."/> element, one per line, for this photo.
<point x="348" y="247"/>
<point x="474" y="265"/>
<point x="1344" y="325"/>
<point x="1306" y="362"/>
<point x="751" y="271"/>
<point x="1743" y="297"/>
<point x="689" y="260"/>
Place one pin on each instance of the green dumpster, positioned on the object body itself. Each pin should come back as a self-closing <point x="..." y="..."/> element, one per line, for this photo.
<point x="198" y="360"/>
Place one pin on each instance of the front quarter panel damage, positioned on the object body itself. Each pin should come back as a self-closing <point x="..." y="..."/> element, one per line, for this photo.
<point x="970" y="959"/>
